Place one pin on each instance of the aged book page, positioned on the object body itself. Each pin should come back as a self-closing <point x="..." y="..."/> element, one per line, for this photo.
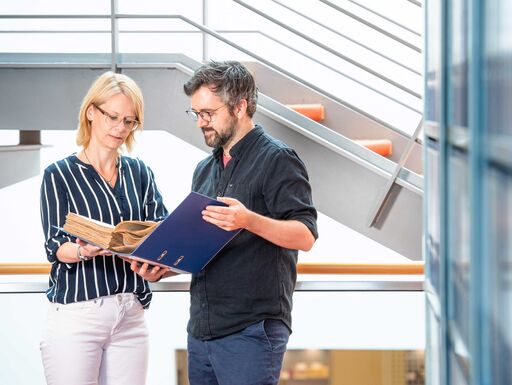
<point x="122" y="238"/>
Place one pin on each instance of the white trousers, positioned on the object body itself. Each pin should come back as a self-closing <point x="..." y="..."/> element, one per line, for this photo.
<point x="98" y="342"/>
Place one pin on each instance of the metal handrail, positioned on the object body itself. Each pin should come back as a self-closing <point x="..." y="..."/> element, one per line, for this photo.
<point x="371" y="25"/>
<point x="330" y="50"/>
<point x="228" y="42"/>
<point x="309" y="18"/>
<point x="409" y="268"/>
<point x="385" y="18"/>
<point x="373" y="89"/>
<point x="415" y="2"/>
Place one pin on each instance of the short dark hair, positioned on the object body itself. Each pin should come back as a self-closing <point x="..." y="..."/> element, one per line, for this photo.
<point x="229" y="80"/>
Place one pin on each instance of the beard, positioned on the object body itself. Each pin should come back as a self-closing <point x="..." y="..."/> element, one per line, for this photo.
<point x="219" y="139"/>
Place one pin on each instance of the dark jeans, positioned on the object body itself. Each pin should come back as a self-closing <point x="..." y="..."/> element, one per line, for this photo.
<point x="252" y="356"/>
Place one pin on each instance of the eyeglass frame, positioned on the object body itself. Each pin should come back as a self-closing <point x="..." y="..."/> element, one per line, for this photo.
<point x="195" y="115"/>
<point x="110" y="119"/>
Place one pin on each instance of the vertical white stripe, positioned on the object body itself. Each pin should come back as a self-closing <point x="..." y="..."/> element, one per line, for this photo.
<point x="82" y="263"/>
<point x="56" y="283"/>
<point x="67" y="186"/>
<point x="115" y="273"/>
<point x="125" y="277"/>
<point x="77" y="275"/>
<point x="95" y="278"/>
<point x="146" y="197"/>
<point x="92" y="192"/>
<point x="78" y="186"/>
<point x="105" y="275"/>
<point x="106" y="190"/>
<point x="67" y="288"/>
<point x="57" y="203"/>
<point x="135" y="192"/>
<point x="45" y="189"/>
<point x="128" y="194"/>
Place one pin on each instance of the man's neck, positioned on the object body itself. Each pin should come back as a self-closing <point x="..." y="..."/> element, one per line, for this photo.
<point x="242" y="129"/>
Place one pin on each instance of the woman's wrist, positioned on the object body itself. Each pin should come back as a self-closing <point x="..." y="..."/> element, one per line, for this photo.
<point x="79" y="255"/>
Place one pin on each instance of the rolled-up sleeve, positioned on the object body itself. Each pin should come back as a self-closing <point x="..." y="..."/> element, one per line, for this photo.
<point x="287" y="191"/>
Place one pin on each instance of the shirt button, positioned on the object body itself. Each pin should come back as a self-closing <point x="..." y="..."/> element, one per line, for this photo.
<point x="203" y="305"/>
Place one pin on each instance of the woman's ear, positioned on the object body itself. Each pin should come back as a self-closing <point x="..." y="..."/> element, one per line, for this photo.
<point x="90" y="112"/>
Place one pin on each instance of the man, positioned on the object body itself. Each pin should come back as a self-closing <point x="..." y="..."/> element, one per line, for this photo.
<point x="240" y="313"/>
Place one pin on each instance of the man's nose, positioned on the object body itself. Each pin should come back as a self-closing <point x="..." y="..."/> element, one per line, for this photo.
<point x="201" y="123"/>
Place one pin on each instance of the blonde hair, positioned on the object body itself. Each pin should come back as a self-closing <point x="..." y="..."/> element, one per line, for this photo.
<point x="105" y="87"/>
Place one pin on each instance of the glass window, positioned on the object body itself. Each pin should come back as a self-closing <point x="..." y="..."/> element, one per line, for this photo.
<point x="498" y="67"/>
<point x="433" y="357"/>
<point x="500" y="279"/>
<point x="458" y="74"/>
<point x="459" y="247"/>
<point x="433" y="209"/>
<point x="433" y="61"/>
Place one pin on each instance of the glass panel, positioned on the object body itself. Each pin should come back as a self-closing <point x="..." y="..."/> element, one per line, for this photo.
<point x="457" y="376"/>
<point x="433" y="348"/>
<point x="500" y="279"/>
<point x="433" y="210"/>
<point x="497" y="71"/>
<point x="433" y="63"/>
<point x="458" y="247"/>
<point x="458" y="74"/>
<point x="498" y="67"/>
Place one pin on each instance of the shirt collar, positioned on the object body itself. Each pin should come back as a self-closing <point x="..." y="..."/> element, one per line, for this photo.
<point x="246" y="142"/>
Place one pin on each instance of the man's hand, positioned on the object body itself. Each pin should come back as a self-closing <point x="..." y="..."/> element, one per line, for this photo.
<point x="235" y="216"/>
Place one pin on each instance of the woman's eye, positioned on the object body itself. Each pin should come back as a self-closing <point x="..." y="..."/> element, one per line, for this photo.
<point x="114" y="119"/>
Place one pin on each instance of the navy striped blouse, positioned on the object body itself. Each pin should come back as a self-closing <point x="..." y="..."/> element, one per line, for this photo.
<point x="72" y="185"/>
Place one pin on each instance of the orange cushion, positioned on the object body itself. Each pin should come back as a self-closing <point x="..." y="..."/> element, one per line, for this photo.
<point x="315" y="112"/>
<point x="382" y="147"/>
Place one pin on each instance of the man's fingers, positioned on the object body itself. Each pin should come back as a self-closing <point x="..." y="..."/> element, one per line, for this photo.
<point x="228" y="201"/>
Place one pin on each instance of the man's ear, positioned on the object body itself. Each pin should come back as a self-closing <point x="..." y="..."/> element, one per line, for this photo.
<point x="241" y="108"/>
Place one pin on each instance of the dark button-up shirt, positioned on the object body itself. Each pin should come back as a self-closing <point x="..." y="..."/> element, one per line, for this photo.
<point x="251" y="279"/>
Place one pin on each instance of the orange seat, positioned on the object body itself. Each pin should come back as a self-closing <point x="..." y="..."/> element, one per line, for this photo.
<point x="382" y="147"/>
<point x="315" y="112"/>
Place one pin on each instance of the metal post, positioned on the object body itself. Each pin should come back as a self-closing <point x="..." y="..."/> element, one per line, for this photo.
<point x="205" y="35"/>
<point x="114" y="33"/>
<point x="383" y="198"/>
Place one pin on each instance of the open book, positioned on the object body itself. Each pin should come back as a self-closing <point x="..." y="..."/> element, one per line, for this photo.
<point x="121" y="238"/>
<point x="183" y="241"/>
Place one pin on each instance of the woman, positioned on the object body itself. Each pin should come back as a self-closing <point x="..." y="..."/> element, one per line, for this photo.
<point x="95" y="331"/>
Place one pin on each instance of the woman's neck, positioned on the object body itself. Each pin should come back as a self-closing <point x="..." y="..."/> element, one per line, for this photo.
<point x="105" y="163"/>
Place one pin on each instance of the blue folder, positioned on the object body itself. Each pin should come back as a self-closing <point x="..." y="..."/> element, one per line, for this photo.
<point x="184" y="241"/>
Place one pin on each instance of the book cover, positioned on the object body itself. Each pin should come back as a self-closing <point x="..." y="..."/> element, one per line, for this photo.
<point x="183" y="241"/>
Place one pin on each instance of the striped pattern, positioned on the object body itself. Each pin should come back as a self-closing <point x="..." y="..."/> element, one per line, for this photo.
<point x="71" y="185"/>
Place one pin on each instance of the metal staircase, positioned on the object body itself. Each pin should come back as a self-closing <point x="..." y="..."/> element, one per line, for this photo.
<point x="376" y="196"/>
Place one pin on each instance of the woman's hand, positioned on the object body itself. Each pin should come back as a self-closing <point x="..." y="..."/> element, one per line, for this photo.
<point x="149" y="272"/>
<point x="90" y="251"/>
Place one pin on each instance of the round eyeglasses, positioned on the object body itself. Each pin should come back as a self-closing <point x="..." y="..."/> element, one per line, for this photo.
<point x="114" y="120"/>
<point x="207" y="115"/>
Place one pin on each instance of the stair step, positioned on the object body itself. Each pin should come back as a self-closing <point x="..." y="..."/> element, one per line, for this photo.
<point x="315" y="112"/>
<point x="382" y="147"/>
